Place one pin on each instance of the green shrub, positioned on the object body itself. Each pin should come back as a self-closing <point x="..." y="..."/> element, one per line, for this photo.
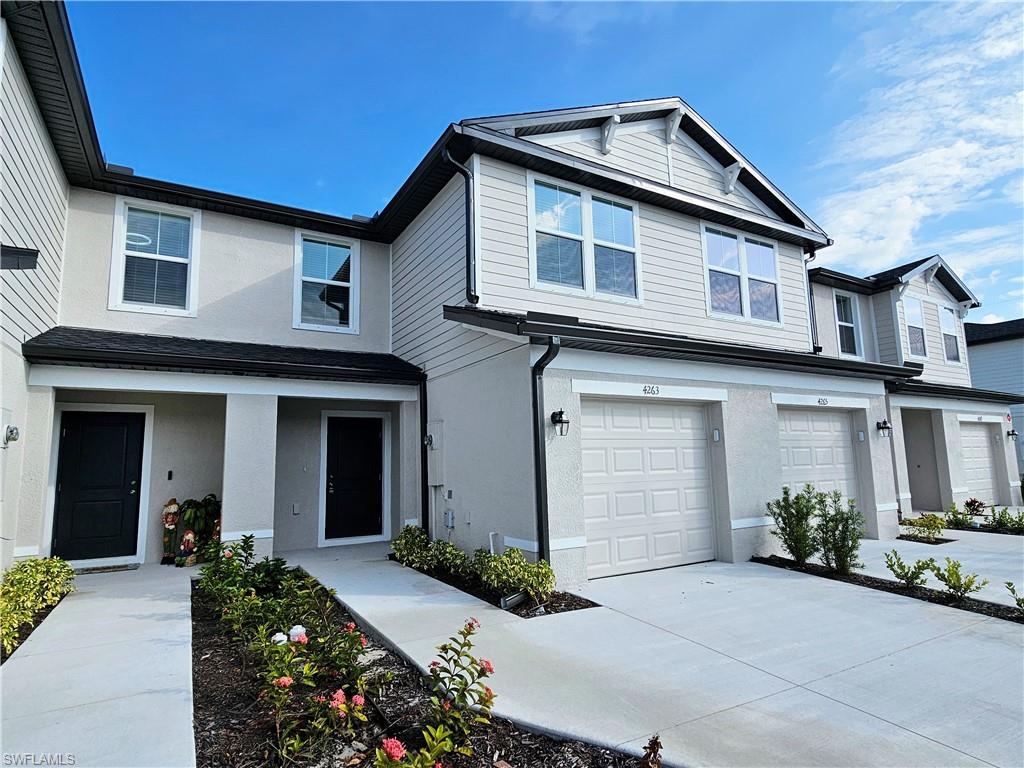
<point x="28" y="587"/>
<point x="957" y="519"/>
<point x="957" y="584"/>
<point x="838" y="532"/>
<point x="445" y="558"/>
<point x="1018" y="599"/>
<point x="511" y="572"/>
<point x="412" y="548"/>
<point x="910" y="576"/>
<point x="928" y="527"/>
<point x="1008" y="522"/>
<point x="793" y="527"/>
<point x="201" y="516"/>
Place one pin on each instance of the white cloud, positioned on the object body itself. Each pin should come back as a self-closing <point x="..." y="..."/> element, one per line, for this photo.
<point x="935" y="143"/>
<point x="991" y="318"/>
<point x="582" y="19"/>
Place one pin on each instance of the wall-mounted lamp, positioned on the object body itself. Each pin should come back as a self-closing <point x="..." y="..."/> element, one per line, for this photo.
<point x="561" y="422"/>
<point x="1012" y="434"/>
<point x="884" y="428"/>
<point x="11" y="434"/>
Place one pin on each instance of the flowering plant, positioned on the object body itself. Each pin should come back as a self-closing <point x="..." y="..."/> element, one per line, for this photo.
<point x="392" y="753"/>
<point x="339" y="713"/>
<point x="461" y="698"/>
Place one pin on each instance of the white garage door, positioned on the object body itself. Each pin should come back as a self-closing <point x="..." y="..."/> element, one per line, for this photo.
<point x="817" y="448"/>
<point x="646" y="486"/>
<point x="978" y="446"/>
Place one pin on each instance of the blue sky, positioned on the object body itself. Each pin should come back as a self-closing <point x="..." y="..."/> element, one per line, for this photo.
<point x="899" y="128"/>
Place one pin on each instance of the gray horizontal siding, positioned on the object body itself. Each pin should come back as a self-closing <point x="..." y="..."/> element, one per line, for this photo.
<point x="1000" y="366"/>
<point x="35" y="198"/>
<point x="828" y="333"/>
<point x="885" y="332"/>
<point x="672" y="266"/>
<point x="936" y="369"/>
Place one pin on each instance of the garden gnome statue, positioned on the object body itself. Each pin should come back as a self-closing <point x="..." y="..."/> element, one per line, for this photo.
<point x="170" y="520"/>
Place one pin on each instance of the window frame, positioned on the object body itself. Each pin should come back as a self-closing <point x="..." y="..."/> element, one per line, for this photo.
<point x="353" y="285"/>
<point x="119" y="253"/>
<point x="857" y="335"/>
<point x="589" y="289"/>
<point x="923" y="326"/>
<point x="743" y="274"/>
<point x="956" y="334"/>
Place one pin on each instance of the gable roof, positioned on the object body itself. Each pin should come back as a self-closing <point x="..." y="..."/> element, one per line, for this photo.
<point x="900" y="275"/>
<point x="985" y="333"/>
<point x="525" y="124"/>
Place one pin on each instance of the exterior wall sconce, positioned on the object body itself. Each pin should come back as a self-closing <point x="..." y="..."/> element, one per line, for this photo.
<point x="561" y="422"/>
<point x="1012" y="434"/>
<point x="884" y="428"/>
<point x="11" y="434"/>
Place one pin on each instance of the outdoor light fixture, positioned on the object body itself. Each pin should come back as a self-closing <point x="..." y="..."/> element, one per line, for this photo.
<point x="561" y="422"/>
<point x="884" y="428"/>
<point x="1012" y="434"/>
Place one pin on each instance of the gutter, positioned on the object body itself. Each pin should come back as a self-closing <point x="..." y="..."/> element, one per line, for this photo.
<point x="540" y="469"/>
<point x="815" y="346"/>
<point x="924" y="389"/>
<point x="471" y="294"/>
<point x="424" y="487"/>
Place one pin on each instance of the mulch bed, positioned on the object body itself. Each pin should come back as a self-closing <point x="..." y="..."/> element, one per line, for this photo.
<point x="992" y="529"/>
<point x="28" y="629"/>
<point x="994" y="610"/>
<point x="923" y="540"/>
<point x="233" y="730"/>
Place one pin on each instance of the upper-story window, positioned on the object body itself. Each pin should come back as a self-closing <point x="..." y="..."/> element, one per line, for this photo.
<point x="848" y="324"/>
<point x="326" y="284"/>
<point x="950" y="338"/>
<point x="583" y="242"/>
<point x="742" y="274"/>
<point x="155" y="257"/>
<point x="913" y="312"/>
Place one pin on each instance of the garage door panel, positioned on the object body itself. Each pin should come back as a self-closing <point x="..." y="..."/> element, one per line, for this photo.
<point x="816" y="447"/>
<point x="977" y="445"/>
<point x="647" y="503"/>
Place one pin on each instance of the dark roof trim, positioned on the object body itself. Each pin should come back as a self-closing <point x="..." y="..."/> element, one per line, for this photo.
<point x="114" y="349"/>
<point x="988" y="333"/>
<point x="890" y="278"/>
<point x="831" y="277"/>
<point x="18" y="258"/>
<point x="924" y="389"/>
<point x="579" y="335"/>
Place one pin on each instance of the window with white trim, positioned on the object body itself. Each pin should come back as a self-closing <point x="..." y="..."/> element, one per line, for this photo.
<point x="584" y="243"/>
<point x="742" y="276"/>
<point x="326" y="284"/>
<point x="154" y="259"/>
<point x="846" y="324"/>
<point x="950" y="338"/>
<point x="913" y="313"/>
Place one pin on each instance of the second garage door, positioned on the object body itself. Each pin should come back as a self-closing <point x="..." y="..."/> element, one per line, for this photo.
<point x="978" y="445"/>
<point x="817" y="448"/>
<point x="646" y="486"/>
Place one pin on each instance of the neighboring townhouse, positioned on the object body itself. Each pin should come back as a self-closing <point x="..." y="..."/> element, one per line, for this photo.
<point x="952" y="440"/>
<point x="586" y="333"/>
<point x="996" y="354"/>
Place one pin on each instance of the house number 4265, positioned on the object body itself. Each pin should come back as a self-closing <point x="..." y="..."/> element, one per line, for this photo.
<point x="651" y="389"/>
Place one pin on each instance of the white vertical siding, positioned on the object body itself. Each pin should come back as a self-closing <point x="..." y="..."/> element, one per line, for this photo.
<point x="35" y="198"/>
<point x="936" y="368"/>
<point x="428" y="262"/>
<point x="672" y="265"/>
<point x="999" y="365"/>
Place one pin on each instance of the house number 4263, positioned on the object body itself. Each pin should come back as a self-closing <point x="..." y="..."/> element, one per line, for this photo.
<point x="651" y="389"/>
<point x="822" y="401"/>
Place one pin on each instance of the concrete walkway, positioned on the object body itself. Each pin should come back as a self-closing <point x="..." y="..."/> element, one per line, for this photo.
<point x="107" y="677"/>
<point x="734" y="665"/>
<point x="993" y="556"/>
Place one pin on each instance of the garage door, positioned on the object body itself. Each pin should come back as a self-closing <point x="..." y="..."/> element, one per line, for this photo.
<point x="817" y="448"/>
<point x="646" y="486"/>
<point x="978" y="446"/>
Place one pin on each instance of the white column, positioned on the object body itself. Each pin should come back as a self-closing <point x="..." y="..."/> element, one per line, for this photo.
<point x="250" y="454"/>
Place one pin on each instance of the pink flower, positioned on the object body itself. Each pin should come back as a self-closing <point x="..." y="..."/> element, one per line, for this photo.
<point x="393" y="748"/>
<point x="302" y="639"/>
<point x="283" y="682"/>
<point x="350" y="627"/>
<point x="338" y="698"/>
<point x="342" y="713"/>
<point x="446" y="705"/>
<point x="319" y="699"/>
<point x="435" y="664"/>
<point x="488" y="694"/>
<point x="358" y="700"/>
<point x="362" y="640"/>
<point x="228" y="554"/>
<point x="486" y="666"/>
<point x="473" y="622"/>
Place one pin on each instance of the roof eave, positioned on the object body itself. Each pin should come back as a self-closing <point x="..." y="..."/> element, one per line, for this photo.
<point x="928" y="389"/>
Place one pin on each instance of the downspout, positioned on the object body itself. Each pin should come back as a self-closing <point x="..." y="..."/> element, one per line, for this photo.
<point x="815" y="346"/>
<point x="540" y="471"/>
<point x="424" y="487"/>
<point x="471" y="294"/>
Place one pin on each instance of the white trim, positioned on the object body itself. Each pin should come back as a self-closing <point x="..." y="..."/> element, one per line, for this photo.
<point x="924" y="326"/>
<point x="889" y="506"/>
<point x="648" y="391"/>
<point x="24" y="551"/>
<point x="904" y="496"/>
<point x="821" y="401"/>
<point x="385" y="535"/>
<point x="858" y="335"/>
<point x="144" y="480"/>
<point x="986" y="418"/>
<point x="945" y="404"/>
<point x="70" y="377"/>
<point x="751" y="522"/>
<point x="527" y="545"/>
<point x="964" y="489"/>
<point x="263" y="533"/>
<point x="115" y="300"/>
<point x="961" y="344"/>
<point x="556" y="545"/>
<point x="353" y="285"/>
<point x="587" y="240"/>
<point x="743" y="274"/>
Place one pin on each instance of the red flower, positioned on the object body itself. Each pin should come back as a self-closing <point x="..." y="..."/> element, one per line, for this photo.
<point x="486" y="666"/>
<point x="393" y="748"/>
<point x="358" y="700"/>
<point x="302" y="639"/>
<point x="362" y="640"/>
<point x="435" y="664"/>
<point x="350" y="627"/>
<point x="446" y="705"/>
<point x="283" y="682"/>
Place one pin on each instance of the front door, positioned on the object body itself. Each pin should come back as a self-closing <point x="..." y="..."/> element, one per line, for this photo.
<point x="355" y="477"/>
<point x="99" y="474"/>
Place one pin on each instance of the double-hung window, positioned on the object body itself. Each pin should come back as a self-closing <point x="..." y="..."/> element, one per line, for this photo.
<point x="743" y="278"/>
<point x="846" y="324"/>
<point x="326" y="284"/>
<point x="950" y="338"/>
<point x="154" y="261"/>
<point x="583" y="243"/>
<point x="913" y="313"/>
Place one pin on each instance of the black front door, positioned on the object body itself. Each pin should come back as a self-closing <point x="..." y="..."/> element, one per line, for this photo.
<point x="355" y="475"/>
<point x="99" y="474"/>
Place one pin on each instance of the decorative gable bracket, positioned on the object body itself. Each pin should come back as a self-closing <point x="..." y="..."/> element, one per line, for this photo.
<point x="732" y="176"/>
<point x="672" y="122"/>
<point x="608" y="133"/>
